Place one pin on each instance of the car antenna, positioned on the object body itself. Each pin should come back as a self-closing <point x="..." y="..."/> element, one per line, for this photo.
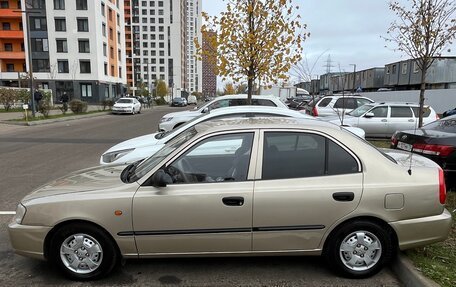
<point x="411" y="149"/>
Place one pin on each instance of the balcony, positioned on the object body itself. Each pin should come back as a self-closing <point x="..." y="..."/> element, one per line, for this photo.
<point x="9" y="55"/>
<point x="12" y="34"/>
<point x="10" y="13"/>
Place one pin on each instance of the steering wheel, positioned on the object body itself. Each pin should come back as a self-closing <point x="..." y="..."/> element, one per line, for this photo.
<point x="179" y="170"/>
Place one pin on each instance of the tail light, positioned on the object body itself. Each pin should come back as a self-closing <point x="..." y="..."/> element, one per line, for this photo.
<point x="433" y="149"/>
<point x="315" y="112"/>
<point x="442" y="187"/>
<point x="437" y="116"/>
<point x="394" y="140"/>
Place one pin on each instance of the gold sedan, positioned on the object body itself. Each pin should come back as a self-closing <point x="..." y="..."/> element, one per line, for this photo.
<point x="262" y="186"/>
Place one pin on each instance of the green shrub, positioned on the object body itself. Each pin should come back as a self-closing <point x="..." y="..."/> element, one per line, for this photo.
<point x="107" y="103"/>
<point x="7" y="98"/>
<point x="78" y="107"/>
<point x="44" y="106"/>
<point x="160" y="101"/>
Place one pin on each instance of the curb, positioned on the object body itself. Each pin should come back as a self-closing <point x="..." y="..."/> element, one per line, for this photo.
<point x="408" y="274"/>
<point x="44" y="122"/>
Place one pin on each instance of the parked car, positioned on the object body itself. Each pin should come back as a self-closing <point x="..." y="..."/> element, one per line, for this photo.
<point x="173" y="120"/>
<point x="338" y="105"/>
<point x="126" y="106"/>
<point x="276" y="186"/>
<point x="192" y="100"/>
<point x="436" y="141"/>
<point x="449" y="113"/>
<point x="179" y="102"/>
<point x="383" y="119"/>
<point x="294" y="103"/>
<point x="144" y="146"/>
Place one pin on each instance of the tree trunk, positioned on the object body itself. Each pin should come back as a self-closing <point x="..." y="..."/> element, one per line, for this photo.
<point x="422" y="90"/>
<point x="249" y="90"/>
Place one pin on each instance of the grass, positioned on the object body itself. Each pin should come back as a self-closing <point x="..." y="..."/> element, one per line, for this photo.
<point x="436" y="261"/>
<point x="40" y="118"/>
<point x="12" y="110"/>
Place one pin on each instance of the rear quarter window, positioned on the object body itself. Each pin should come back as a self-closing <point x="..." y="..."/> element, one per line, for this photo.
<point x="345" y="103"/>
<point x="262" y="102"/>
<point x="324" y="102"/>
<point x="416" y="111"/>
<point x="401" y="112"/>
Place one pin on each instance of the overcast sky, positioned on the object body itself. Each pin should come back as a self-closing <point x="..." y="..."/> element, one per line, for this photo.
<point x="348" y="30"/>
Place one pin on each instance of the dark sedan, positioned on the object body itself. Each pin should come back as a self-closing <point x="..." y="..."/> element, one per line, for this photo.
<point x="436" y="141"/>
<point x="179" y="102"/>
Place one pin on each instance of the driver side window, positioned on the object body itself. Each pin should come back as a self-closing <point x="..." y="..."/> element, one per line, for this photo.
<point x="380" y="112"/>
<point x="216" y="159"/>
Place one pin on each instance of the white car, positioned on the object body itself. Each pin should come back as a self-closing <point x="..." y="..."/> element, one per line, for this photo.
<point x="173" y="120"/>
<point x="126" y="106"/>
<point x="338" y="105"/>
<point x="384" y="119"/>
<point x="144" y="146"/>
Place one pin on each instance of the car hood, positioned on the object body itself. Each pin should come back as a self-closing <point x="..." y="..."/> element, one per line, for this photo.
<point x="337" y="120"/>
<point x="408" y="159"/>
<point x="95" y="178"/>
<point x="146" y="140"/>
<point x="191" y="113"/>
<point x="123" y="105"/>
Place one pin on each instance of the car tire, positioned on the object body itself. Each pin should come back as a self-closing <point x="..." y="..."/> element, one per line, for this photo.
<point x="360" y="249"/>
<point x="133" y="111"/>
<point x="139" y="111"/>
<point x="72" y="242"/>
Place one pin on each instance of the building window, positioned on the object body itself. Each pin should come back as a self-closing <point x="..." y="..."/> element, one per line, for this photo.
<point x="59" y="4"/>
<point x="120" y="72"/>
<point x="81" y="4"/>
<point x="86" y="90"/>
<point x="4" y="4"/>
<point x="119" y="55"/>
<point x="83" y="25"/>
<point x="41" y="65"/>
<point x="111" y="34"/>
<point x="63" y="66"/>
<point x="416" y="69"/>
<point x="118" y="19"/>
<point x="38" y="24"/>
<point x="106" y="69"/>
<point x="6" y="26"/>
<point x="112" y="70"/>
<point x="40" y="45"/>
<point x="37" y="4"/>
<point x="105" y="48"/>
<point x="8" y="47"/>
<point x="60" y="24"/>
<point x="84" y="66"/>
<point x="111" y="52"/>
<point x="118" y="37"/>
<point x="404" y="68"/>
<point x="103" y="9"/>
<point x="62" y="46"/>
<point x="103" y="29"/>
<point x="10" y="67"/>
<point x="84" y="46"/>
<point x="160" y="3"/>
<point x="393" y="71"/>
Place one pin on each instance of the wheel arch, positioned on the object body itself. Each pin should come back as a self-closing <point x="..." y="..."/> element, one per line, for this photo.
<point x="52" y="232"/>
<point x="373" y="219"/>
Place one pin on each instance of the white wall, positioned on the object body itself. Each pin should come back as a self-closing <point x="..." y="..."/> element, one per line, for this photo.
<point x="441" y="100"/>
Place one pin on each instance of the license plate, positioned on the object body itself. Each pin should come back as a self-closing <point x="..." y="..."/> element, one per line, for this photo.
<point x="404" y="146"/>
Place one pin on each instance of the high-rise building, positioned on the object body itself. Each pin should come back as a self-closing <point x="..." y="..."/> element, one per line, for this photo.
<point x="77" y="47"/>
<point x="12" y="49"/>
<point x="209" y="76"/>
<point x="162" y="44"/>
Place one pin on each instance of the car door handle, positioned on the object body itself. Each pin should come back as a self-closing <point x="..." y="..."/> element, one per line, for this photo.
<point x="411" y="120"/>
<point x="233" y="201"/>
<point x="343" y="196"/>
<point x="384" y="120"/>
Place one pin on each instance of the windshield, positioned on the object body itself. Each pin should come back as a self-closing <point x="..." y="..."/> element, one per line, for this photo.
<point x="444" y="125"/>
<point x="124" y="101"/>
<point x="360" y="111"/>
<point x="148" y="164"/>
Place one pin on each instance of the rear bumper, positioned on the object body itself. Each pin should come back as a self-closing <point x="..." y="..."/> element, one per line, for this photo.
<point x="28" y="240"/>
<point x="416" y="232"/>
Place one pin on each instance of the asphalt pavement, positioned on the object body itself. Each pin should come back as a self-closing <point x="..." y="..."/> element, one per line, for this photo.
<point x="33" y="155"/>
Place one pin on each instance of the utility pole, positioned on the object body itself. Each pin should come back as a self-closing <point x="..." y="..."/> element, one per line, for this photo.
<point x="354" y="76"/>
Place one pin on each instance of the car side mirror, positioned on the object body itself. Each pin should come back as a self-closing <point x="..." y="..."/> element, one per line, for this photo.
<point x="161" y="178"/>
<point x="205" y="110"/>
<point x="369" y="115"/>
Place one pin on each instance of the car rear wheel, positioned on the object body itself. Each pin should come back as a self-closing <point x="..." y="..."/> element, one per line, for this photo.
<point x="360" y="249"/>
<point x="133" y="111"/>
<point x="83" y="252"/>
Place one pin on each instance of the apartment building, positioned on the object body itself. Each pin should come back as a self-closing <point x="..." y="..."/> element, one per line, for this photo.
<point x="160" y="44"/>
<point x="77" y="47"/>
<point x="12" y="49"/>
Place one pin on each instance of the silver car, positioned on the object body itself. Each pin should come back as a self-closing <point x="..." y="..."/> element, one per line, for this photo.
<point x="338" y="105"/>
<point x="259" y="186"/>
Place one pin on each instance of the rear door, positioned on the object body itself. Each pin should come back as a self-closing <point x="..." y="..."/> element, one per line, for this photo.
<point x="401" y="118"/>
<point x="305" y="182"/>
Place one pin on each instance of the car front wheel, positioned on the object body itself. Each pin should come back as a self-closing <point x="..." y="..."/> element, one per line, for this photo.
<point x="360" y="249"/>
<point x="83" y="252"/>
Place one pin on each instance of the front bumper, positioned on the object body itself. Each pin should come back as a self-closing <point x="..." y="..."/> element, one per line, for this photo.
<point x="28" y="240"/>
<point x="416" y="232"/>
<point x="122" y="111"/>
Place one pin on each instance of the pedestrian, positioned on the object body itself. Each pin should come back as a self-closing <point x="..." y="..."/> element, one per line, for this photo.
<point x="64" y="99"/>
<point x="141" y="101"/>
<point x="37" y="96"/>
<point x="149" y="100"/>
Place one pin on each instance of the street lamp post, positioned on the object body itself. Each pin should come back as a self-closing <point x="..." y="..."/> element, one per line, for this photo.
<point x="354" y="76"/>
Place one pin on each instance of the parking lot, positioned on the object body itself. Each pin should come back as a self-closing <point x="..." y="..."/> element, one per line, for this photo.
<point x="32" y="156"/>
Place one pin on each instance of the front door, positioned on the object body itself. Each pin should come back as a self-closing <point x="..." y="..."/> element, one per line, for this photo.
<point x="207" y="208"/>
<point x="376" y="126"/>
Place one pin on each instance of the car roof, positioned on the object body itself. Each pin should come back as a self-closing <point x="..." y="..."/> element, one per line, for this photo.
<point x="397" y="104"/>
<point x="233" y="124"/>
<point x="244" y="96"/>
<point x="256" y="109"/>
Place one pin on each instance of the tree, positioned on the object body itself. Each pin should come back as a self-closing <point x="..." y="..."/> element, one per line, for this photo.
<point x="229" y="89"/>
<point x="162" y="89"/>
<point x="424" y="30"/>
<point x="255" y="40"/>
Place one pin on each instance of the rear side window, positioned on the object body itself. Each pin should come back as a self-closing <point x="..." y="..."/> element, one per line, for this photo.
<point x="262" y="102"/>
<point x="295" y="155"/>
<point x="401" y="112"/>
<point x="416" y="111"/>
<point x="345" y="103"/>
<point x="324" y="102"/>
